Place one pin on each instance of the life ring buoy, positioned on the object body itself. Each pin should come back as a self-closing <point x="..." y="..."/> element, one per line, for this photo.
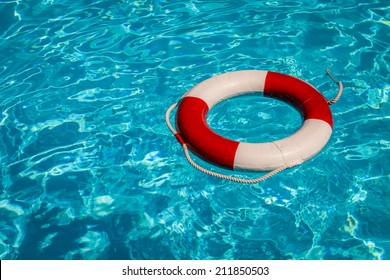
<point x="305" y="143"/>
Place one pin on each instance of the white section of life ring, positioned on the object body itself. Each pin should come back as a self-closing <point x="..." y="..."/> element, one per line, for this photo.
<point x="228" y="85"/>
<point x="290" y="151"/>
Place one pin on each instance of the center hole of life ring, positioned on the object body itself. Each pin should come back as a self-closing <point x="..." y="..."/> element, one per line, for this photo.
<point x="253" y="118"/>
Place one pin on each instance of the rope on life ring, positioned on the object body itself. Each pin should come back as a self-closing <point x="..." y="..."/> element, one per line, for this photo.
<point x="233" y="178"/>
<point x="340" y="84"/>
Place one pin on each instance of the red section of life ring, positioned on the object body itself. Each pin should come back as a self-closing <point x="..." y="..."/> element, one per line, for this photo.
<point x="295" y="149"/>
<point x="207" y="144"/>
<point x="300" y="94"/>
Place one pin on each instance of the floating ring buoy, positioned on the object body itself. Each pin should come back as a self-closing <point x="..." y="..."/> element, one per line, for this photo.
<point x="305" y="143"/>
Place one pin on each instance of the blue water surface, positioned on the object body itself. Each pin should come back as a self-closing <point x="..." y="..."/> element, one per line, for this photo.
<point x="89" y="169"/>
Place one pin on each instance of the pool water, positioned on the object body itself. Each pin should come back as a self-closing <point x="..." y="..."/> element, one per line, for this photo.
<point x="89" y="169"/>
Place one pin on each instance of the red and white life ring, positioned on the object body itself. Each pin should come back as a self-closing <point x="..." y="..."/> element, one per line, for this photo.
<point x="290" y="151"/>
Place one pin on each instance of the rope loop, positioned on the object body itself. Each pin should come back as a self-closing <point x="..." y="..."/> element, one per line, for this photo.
<point x="340" y="84"/>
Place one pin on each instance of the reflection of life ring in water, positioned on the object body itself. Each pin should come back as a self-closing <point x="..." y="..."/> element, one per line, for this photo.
<point x="194" y="132"/>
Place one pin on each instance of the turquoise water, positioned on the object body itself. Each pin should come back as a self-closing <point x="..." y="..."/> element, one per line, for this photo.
<point x="89" y="169"/>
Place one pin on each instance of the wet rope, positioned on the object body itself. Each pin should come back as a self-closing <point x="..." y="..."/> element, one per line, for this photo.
<point x="340" y="84"/>
<point x="167" y="114"/>
<point x="228" y="177"/>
